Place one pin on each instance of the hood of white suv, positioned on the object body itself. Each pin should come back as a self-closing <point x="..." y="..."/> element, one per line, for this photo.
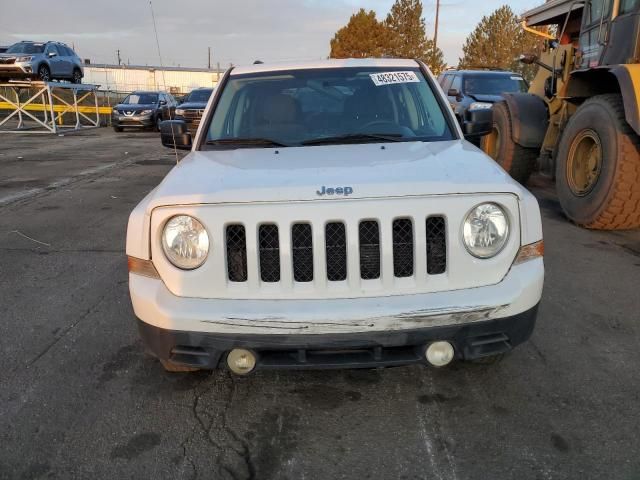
<point x="331" y="172"/>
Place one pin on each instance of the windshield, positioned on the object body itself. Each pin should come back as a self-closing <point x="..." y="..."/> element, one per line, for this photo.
<point x="26" y="48"/>
<point x="141" y="99"/>
<point x="493" y="84"/>
<point x="332" y="105"/>
<point x="198" y="96"/>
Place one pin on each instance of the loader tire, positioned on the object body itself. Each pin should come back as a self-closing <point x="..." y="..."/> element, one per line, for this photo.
<point x="598" y="166"/>
<point x="518" y="161"/>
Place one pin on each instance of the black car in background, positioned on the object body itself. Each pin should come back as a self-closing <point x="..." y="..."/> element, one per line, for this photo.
<point x="193" y="106"/>
<point x="143" y="110"/>
<point x="478" y="89"/>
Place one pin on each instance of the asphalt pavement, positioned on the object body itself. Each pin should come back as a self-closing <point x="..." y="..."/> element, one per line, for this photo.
<point x="79" y="398"/>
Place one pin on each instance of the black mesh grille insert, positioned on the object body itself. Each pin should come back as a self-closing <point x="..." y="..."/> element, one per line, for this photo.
<point x="302" y="244"/>
<point x="269" y="253"/>
<point x="402" y="247"/>
<point x="236" y="253"/>
<point x="436" y="246"/>
<point x="336" y="251"/>
<point x="369" y="233"/>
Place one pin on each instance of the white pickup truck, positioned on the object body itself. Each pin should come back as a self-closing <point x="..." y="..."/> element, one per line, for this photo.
<point x="332" y="215"/>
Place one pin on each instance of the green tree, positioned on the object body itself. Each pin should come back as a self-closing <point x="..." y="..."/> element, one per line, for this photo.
<point x="409" y="37"/>
<point x="364" y="36"/>
<point x="497" y="41"/>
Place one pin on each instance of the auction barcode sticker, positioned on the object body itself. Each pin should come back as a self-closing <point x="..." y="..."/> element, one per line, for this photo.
<point x="389" y="78"/>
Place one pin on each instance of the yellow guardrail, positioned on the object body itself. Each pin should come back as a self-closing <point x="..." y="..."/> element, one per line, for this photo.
<point x="38" y="107"/>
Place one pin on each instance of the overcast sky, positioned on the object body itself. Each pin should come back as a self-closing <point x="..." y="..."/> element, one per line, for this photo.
<point x="238" y="31"/>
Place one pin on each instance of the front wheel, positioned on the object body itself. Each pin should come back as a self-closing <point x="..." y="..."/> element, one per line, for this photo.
<point x="77" y="76"/>
<point x="598" y="166"/>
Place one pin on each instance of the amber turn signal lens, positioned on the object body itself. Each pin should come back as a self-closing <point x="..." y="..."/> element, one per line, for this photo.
<point x="142" y="267"/>
<point x="529" y="252"/>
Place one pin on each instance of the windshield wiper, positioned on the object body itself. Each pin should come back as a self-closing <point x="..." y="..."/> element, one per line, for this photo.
<point x="266" y="142"/>
<point x="355" y="137"/>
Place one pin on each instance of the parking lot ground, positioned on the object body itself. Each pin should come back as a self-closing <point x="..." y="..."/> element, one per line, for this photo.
<point x="80" y="399"/>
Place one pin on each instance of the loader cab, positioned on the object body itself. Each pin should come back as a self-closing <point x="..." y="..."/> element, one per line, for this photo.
<point x="621" y="37"/>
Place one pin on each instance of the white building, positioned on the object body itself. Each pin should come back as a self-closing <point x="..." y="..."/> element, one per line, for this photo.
<point x="127" y="78"/>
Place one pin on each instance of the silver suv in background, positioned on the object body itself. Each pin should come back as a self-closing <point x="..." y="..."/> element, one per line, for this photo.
<point x="44" y="61"/>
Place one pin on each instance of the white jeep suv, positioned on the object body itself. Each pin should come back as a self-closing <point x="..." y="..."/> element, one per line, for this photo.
<point x="332" y="215"/>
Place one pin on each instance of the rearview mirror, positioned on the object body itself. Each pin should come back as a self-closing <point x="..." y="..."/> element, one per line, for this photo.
<point x="175" y="134"/>
<point x="478" y="123"/>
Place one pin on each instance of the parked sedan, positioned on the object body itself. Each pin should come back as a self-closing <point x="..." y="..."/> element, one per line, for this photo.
<point x="44" y="61"/>
<point x="193" y="106"/>
<point x="143" y="110"/>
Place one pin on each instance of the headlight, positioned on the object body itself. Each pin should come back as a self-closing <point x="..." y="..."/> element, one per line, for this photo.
<point x="480" y="106"/>
<point x="485" y="230"/>
<point x="179" y="111"/>
<point x="185" y="242"/>
<point x="115" y="111"/>
<point x="24" y="59"/>
<point x="146" y="112"/>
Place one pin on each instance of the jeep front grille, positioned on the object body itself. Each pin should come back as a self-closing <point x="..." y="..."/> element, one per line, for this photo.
<point x="337" y="248"/>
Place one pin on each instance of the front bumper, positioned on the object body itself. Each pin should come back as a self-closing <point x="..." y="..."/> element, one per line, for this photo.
<point x="328" y="333"/>
<point x="16" y="70"/>
<point x="342" y="350"/>
<point x="139" y="121"/>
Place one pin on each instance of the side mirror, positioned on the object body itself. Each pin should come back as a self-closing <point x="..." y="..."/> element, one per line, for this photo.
<point x="478" y="123"/>
<point x="453" y="92"/>
<point x="163" y="102"/>
<point x="175" y="134"/>
<point x="52" y="54"/>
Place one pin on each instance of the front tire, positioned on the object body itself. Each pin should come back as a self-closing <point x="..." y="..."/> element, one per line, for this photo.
<point x="598" y="166"/>
<point x="158" y="122"/>
<point x="518" y="161"/>
<point x="76" y="77"/>
<point x="117" y="129"/>
<point x="44" y="74"/>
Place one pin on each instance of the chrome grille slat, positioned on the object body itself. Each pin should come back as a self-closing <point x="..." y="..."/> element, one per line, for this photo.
<point x="269" y="248"/>
<point x="369" y="236"/>
<point x="402" y="247"/>
<point x="236" y="240"/>
<point x="336" y="251"/>
<point x="436" y="245"/>
<point x="302" y="247"/>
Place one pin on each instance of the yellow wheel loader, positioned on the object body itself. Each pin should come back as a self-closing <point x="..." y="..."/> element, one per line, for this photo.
<point x="580" y="120"/>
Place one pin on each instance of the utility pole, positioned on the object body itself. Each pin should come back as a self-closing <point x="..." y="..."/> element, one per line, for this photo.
<point x="435" y="33"/>
<point x="118" y="52"/>
<point x="209" y="63"/>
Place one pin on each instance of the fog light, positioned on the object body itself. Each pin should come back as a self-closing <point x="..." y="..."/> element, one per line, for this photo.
<point x="439" y="353"/>
<point x="241" y="361"/>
